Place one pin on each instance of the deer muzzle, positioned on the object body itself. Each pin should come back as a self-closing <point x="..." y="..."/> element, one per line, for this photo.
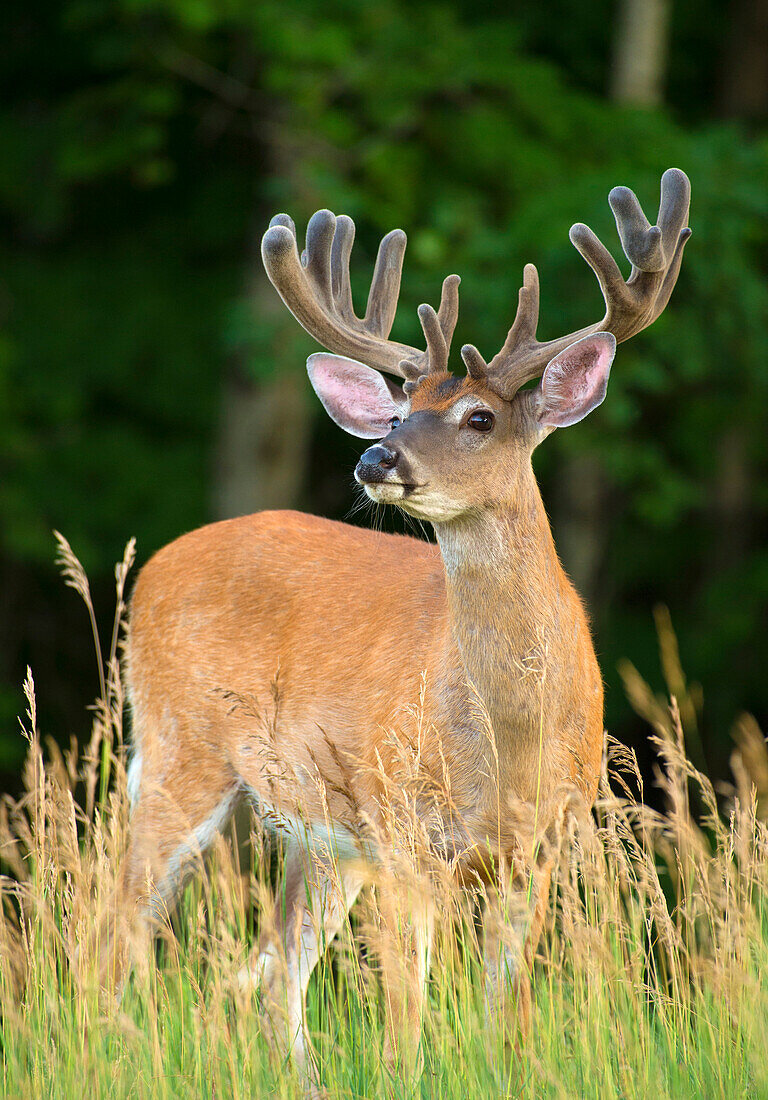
<point x="376" y="465"/>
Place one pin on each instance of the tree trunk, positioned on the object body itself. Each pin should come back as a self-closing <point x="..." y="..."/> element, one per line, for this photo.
<point x="581" y="524"/>
<point x="743" y="94"/>
<point x="581" y="504"/>
<point x="730" y="501"/>
<point x="744" y="83"/>
<point x="264" y="431"/>
<point x="640" y="52"/>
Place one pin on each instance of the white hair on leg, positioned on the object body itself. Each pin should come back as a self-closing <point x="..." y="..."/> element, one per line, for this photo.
<point x="133" y="778"/>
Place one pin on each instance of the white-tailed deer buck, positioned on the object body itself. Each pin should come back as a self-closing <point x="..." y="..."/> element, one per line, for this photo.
<point x="339" y="645"/>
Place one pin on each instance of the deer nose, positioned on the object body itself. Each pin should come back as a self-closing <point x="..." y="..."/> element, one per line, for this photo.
<point x="374" y="462"/>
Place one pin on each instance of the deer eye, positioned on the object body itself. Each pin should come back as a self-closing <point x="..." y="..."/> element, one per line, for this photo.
<point x="481" y="421"/>
<point x="395" y="422"/>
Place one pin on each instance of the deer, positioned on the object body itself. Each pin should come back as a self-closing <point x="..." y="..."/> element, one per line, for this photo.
<point x="324" y="633"/>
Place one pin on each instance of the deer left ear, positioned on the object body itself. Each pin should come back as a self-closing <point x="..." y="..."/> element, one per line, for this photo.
<point x="575" y="381"/>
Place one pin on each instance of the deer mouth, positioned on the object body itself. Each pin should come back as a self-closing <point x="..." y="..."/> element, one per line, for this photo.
<point x="378" y="479"/>
<point x="389" y="492"/>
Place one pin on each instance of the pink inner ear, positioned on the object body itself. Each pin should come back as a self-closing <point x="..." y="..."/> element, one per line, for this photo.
<point x="575" y="381"/>
<point x="354" y="396"/>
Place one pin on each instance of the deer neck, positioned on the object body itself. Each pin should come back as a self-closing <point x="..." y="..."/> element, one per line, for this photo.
<point x="505" y="594"/>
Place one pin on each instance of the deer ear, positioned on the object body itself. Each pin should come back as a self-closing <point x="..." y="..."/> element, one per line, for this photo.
<point x="575" y="381"/>
<point x="357" y="398"/>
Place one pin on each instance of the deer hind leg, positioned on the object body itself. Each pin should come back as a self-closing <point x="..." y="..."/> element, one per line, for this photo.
<point x="311" y="906"/>
<point x="404" y="935"/>
<point x="172" y="825"/>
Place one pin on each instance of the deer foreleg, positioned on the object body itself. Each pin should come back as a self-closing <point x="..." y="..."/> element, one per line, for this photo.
<point x="312" y="904"/>
<point x="513" y="922"/>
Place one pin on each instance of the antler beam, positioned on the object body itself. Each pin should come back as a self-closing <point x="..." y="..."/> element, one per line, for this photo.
<point x="655" y="252"/>
<point x="316" y="289"/>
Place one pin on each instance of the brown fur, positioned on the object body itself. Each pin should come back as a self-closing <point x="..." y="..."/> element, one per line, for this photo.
<point x="306" y="662"/>
<point x="234" y="673"/>
<point x="328" y="671"/>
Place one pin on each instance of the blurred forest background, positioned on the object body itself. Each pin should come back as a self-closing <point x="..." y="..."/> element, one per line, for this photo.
<point x="151" y="381"/>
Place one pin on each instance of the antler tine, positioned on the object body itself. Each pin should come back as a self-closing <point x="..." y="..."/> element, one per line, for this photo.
<point x="521" y="337"/>
<point x="675" y="205"/>
<point x="385" y="285"/>
<point x="343" y="239"/>
<point x="437" y="347"/>
<point x="434" y="359"/>
<point x="674" y="270"/>
<point x="316" y="289"/>
<point x="438" y="331"/>
<point x="448" y="313"/>
<point x="527" y="317"/>
<point x="477" y="367"/>
<point x="316" y="257"/>
<point x="640" y="240"/>
<point x="284" y="219"/>
<point x="655" y="252"/>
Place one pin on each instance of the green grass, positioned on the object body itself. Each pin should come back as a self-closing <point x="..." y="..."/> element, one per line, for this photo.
<point x="650" y="980"/>
<point x="601" y="1027"/>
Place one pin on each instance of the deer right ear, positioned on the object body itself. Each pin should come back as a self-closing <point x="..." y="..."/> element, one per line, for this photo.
<point x="357" y="398"/>
<point x="575" y="381"/>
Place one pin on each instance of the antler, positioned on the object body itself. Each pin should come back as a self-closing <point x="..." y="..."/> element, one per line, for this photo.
<point x="317" y="291"/>
<point x="655" y="252"/>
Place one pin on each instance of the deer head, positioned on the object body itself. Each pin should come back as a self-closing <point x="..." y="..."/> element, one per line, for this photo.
<point x="450" y="445"/>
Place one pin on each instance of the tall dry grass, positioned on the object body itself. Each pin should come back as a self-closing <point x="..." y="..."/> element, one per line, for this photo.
<point x="649" y="981"/>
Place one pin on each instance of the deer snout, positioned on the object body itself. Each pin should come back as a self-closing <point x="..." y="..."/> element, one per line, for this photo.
<point x="374" y="464"/>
